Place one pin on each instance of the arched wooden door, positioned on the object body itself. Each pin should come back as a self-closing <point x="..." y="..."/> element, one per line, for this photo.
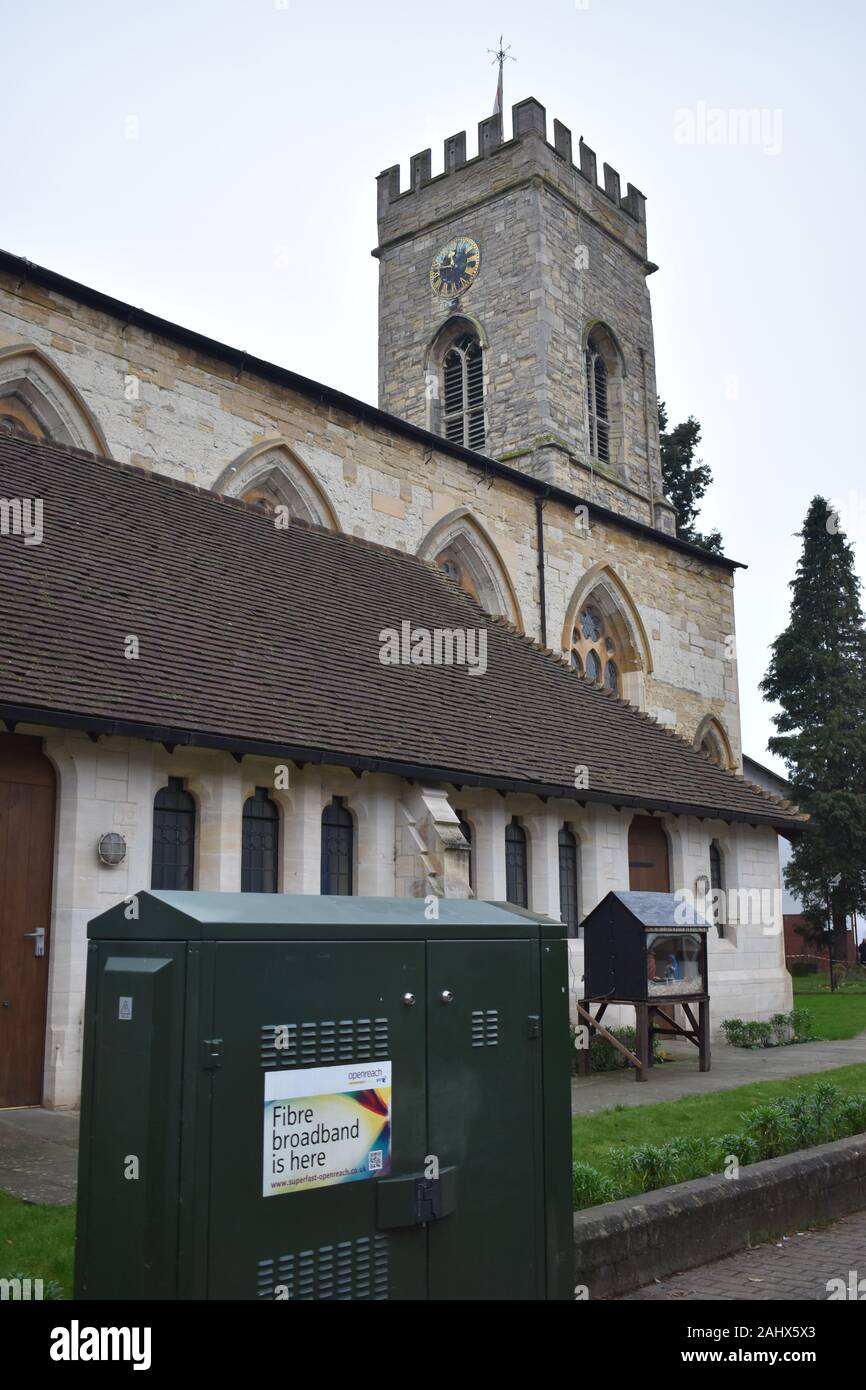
<point x="648" y="868"/>
<point x="27" y="797"/>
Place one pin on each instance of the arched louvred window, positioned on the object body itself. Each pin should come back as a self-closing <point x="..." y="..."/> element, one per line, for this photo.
<point x="260" y="843"/>
<point x="516" y="876"/>
<point x="568" y="898"/>
<point x="173" y="861"/>
<point x="338" y="848"/>
<point x="597" y="402"/>
<point x="466" y="832"/>
<point x="717" y="889"/>
<point x="463" y="393"/>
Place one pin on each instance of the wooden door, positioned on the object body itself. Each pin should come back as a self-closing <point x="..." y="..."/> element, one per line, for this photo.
<point x="648" y="870"/>
<point x="27" y="796"/>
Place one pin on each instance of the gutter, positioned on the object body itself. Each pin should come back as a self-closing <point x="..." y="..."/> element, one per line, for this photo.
<point x="241" y="361"/>
<point x="94" y="725"/>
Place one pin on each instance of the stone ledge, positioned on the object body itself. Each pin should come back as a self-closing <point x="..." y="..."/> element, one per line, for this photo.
<point x="621" y="1245"/>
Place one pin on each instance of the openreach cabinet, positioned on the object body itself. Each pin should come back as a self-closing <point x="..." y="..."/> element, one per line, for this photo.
<point x="293" y="1097"/>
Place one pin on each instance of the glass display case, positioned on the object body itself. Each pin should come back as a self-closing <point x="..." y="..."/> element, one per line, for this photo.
<point x="675" y="963"/>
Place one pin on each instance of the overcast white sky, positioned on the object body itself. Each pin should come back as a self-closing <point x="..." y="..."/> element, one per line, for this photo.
<point x="245" y="207"/>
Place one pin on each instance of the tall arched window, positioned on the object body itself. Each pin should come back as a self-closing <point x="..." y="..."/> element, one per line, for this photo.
<point x="463" y="392"/>
<point x="466" y="832"/>
<point x="338" y="848"/>
<point x="717" y="889"/>
<point x="173" y="861"/>
<point x="516" y="875"/>
<point x="568" y="899"/>
<point x="595" y="648"/>
<point x="260" y="843"/>
<point x="597" y="401"/>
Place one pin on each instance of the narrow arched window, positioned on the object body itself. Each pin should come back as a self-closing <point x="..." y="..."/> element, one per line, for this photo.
<point x="597" y="401"/>
<point x="338" y="848"/>
<point x="516" y="876"/>
<point x="717" y="912"/>
<point x="260" y="843"/>
<point x="463" y="393"/>
<point x="568" y="908"/>
<point x="466" y="832"/>
<point x="173" y="861"/>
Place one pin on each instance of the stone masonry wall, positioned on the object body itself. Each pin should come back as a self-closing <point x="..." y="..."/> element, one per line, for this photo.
<point x="192" y="416"/>
<point x="558" y="253"/>
<point x="111" y="785"/>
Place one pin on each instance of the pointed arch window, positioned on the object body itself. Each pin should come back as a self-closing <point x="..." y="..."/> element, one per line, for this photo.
<point x="260" y="843"/>
<point x="568" y="898"/>
<point x="595" y="648"/>
<point x="452" y="562"/>
<point x="338" y="848"/>
<point x="463" y="392"/>
<point x="173" y="859"/>
<point x="711" y="745"/>
<point x="516" y="865"/>
<point x="597" y="401"/>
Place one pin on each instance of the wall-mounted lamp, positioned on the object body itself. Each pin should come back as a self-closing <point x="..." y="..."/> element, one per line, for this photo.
<point x="111" y="849"/>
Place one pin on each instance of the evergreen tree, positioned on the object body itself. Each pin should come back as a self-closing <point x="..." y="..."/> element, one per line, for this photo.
<point x="817" y="674"/>
<point x="685" y="478"/>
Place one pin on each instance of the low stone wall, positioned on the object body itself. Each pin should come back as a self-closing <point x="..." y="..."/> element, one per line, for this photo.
<point x="621" y="1245"/>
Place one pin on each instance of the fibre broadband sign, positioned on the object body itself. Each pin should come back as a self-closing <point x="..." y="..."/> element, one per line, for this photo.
<point x="326" y="1125"/>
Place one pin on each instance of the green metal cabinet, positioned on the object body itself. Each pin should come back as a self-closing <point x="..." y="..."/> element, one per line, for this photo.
<point x="224" y="1031"/>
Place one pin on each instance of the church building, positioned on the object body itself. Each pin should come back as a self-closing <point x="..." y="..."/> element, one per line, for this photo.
<point x="259" y="635"/>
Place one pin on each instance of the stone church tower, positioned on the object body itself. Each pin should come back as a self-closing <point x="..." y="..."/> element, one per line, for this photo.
<point x="514" y="313"/>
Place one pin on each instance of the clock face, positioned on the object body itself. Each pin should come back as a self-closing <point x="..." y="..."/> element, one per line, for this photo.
<point x="455" y="267"/>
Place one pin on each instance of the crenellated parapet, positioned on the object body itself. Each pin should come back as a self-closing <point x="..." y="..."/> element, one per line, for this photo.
<point x="529" y="121"/>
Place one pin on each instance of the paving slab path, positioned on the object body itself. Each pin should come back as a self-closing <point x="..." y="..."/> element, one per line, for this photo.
<point x="731" y="1067"/>
<point x="799" y="1267"/>
<point x="38" y="1148"/>
<point x="39" y="1154"/>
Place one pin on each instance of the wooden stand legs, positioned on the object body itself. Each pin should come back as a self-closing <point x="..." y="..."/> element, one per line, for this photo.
<point x="643" y="1043"/>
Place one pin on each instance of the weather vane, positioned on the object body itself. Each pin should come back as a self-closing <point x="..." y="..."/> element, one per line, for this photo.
<point x="499" y="56"/>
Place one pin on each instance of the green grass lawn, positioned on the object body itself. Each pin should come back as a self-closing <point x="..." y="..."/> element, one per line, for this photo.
<point x="595" y="1136"/>
<point x="839" y="1015"/>
<point x="37" y="1242"/>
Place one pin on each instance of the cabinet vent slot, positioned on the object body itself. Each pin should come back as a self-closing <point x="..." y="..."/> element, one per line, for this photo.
<point x="485" y="1027"/>
<point x="346" y="1270"/>
<point x="317" y="1044"/>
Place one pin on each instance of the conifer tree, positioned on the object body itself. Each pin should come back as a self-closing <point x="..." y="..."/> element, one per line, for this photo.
<point x="685" y="478"/>
<point x="817" y="674"/>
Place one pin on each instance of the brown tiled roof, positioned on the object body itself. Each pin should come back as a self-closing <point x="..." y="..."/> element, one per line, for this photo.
<point x="267" y="640"/>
